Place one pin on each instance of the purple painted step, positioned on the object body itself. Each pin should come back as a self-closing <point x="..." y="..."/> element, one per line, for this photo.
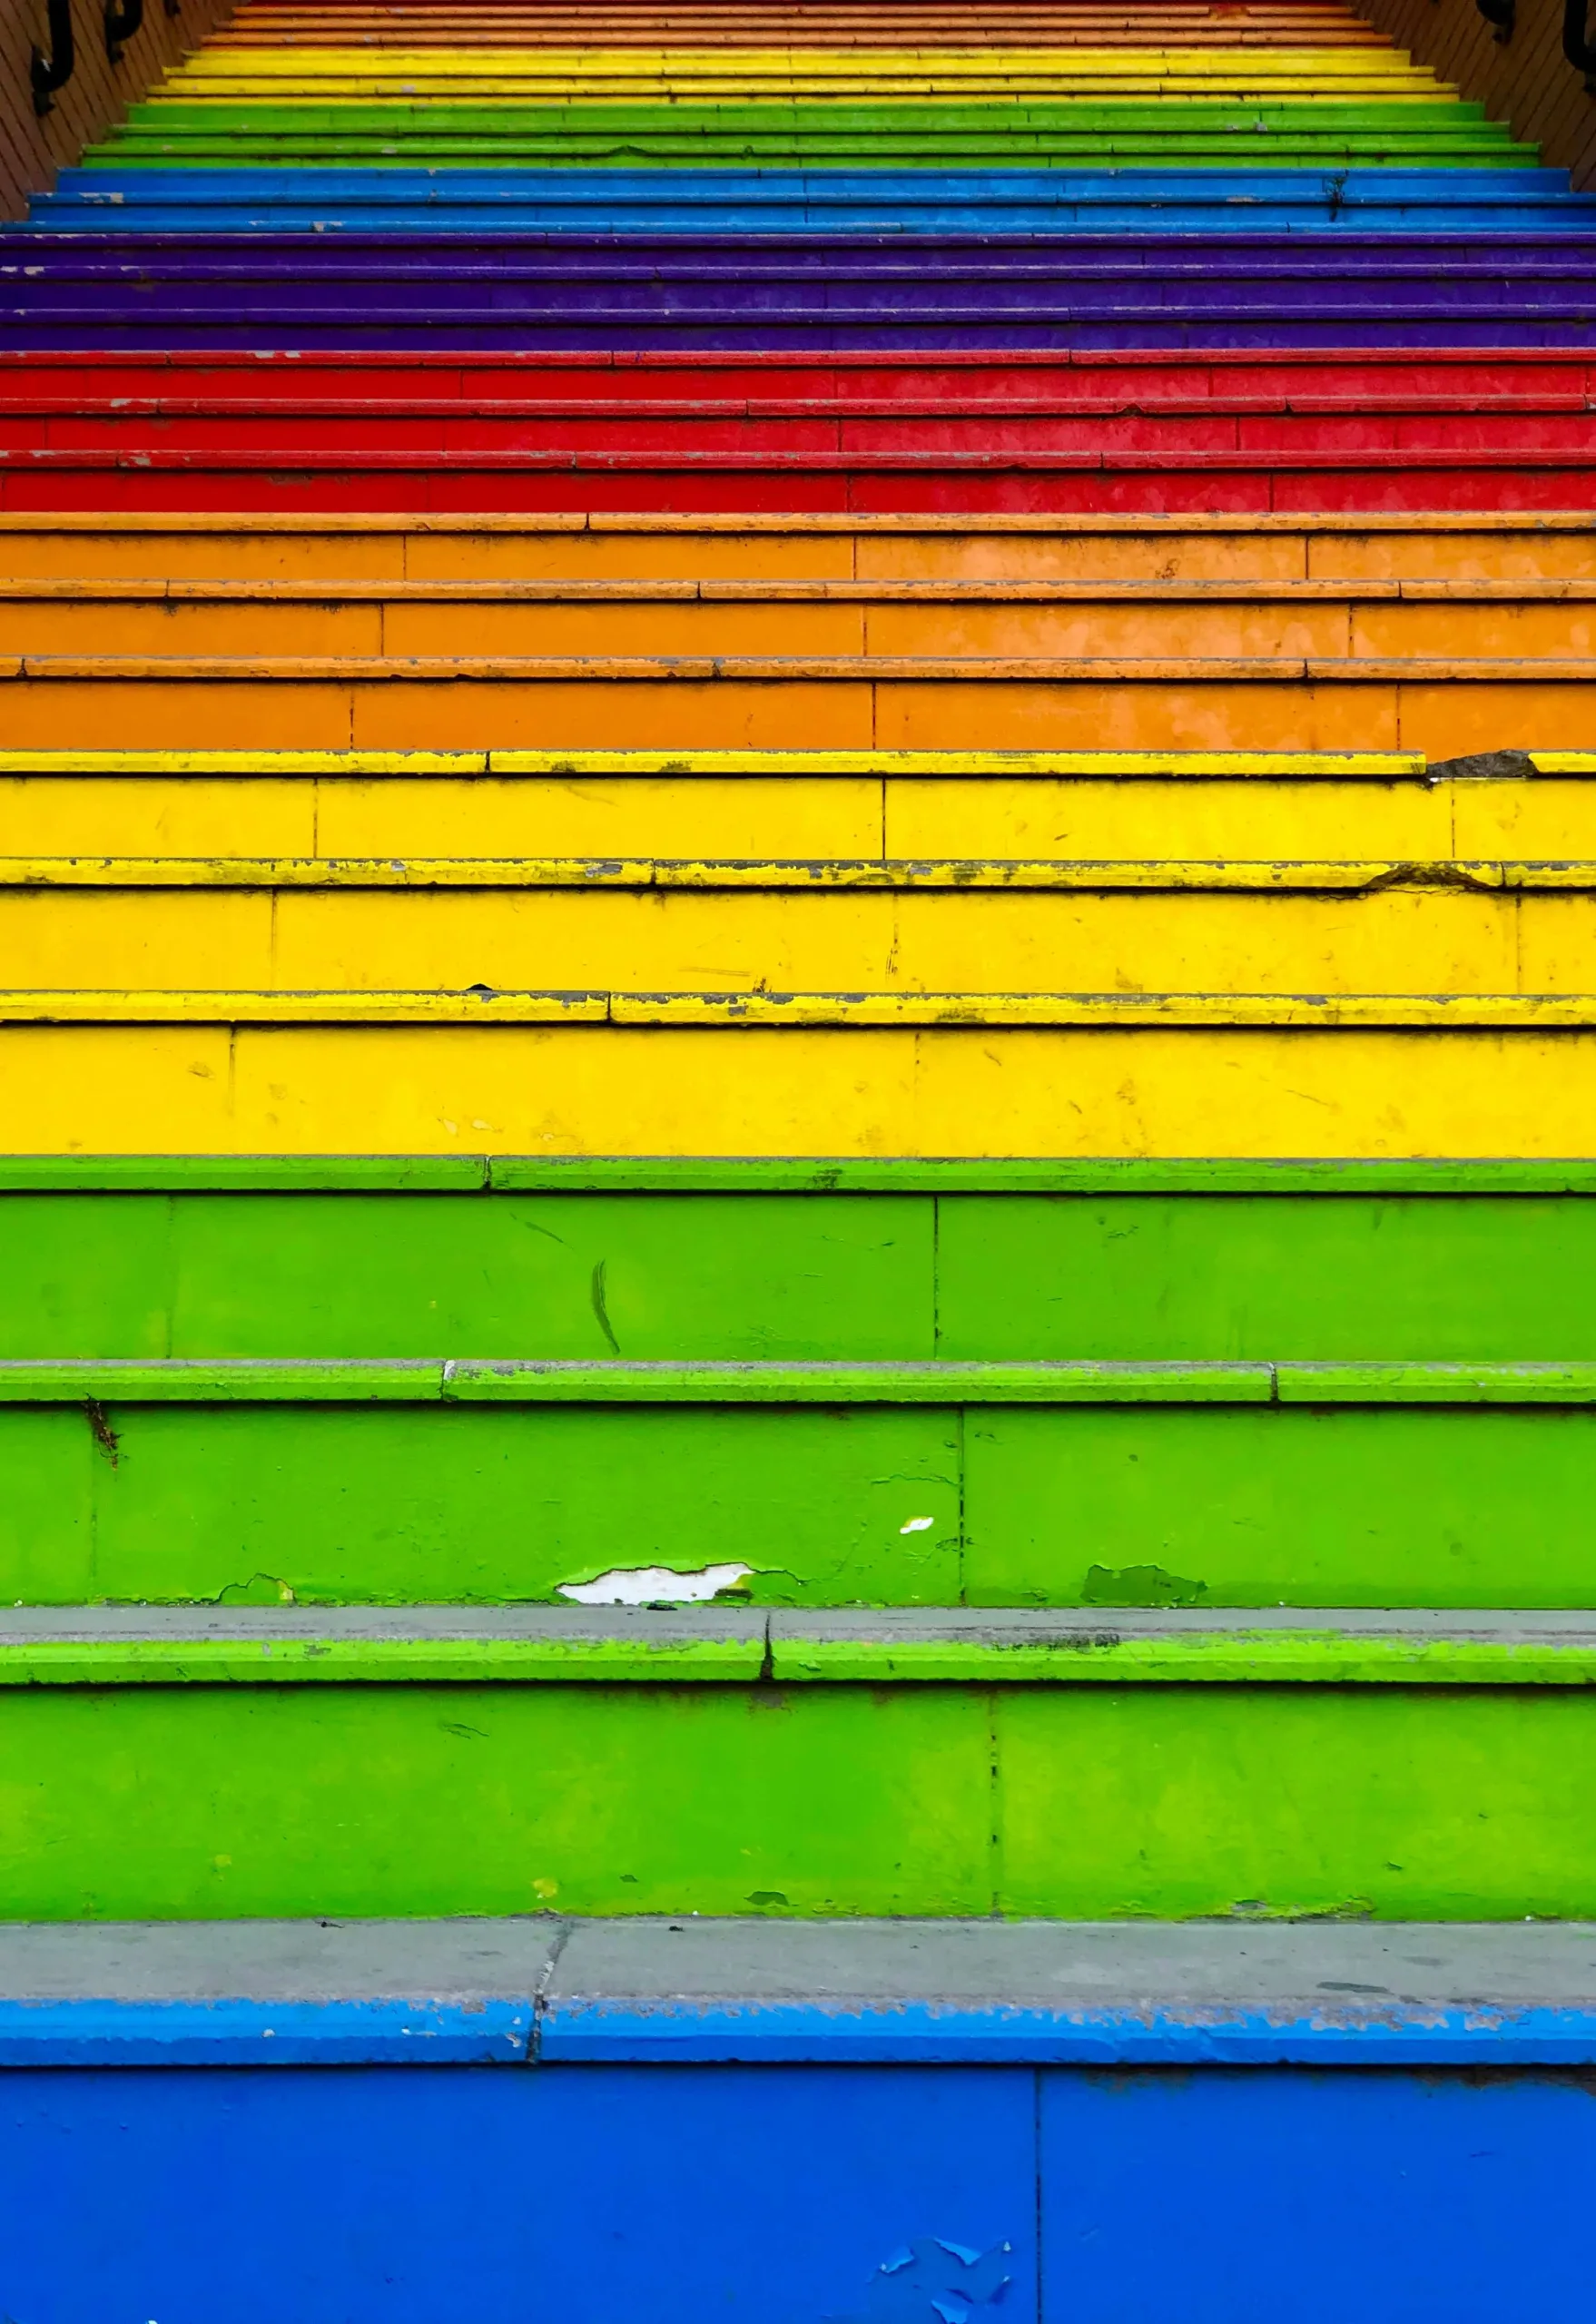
<point x="570" y="291"/>
<point x="1437" y="259"/>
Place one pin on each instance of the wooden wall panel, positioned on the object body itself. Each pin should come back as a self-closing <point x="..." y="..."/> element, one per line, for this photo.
<point x="99" y="93"/>
<point x="1526" y="81"/>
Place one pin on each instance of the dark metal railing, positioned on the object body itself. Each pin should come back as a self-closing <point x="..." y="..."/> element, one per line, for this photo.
<point x="123" y="19"/>
<point x="1576" y="41"/>
<point x="54" y="72"/>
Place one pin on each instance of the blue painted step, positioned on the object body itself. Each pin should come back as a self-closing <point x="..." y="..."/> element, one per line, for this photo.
<point x="879" y="202"/>
<point x="337" y="2190"/>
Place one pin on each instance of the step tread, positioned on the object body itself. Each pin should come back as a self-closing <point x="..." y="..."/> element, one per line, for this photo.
<point x="1252" y="876"/>
<point x="1374" y="589"/>
<point x="514" y="1989"/>
<point x="875" y="669"/>
<point x="424" y="1645"/>
<point x="1371" y="766"/>
<point x="193" y="1379"/>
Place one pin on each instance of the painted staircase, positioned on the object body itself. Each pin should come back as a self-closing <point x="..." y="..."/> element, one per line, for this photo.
<point x="798" y="969"/>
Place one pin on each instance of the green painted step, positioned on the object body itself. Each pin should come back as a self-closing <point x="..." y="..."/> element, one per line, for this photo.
<point x="428" y="1645"/>
<point x="663" y="150"/>
<point x="1081" y="1801"/>
<point x="623" y="134"/>
<point x="1444" y="1487"/>
<point x="1127" y="1263"/>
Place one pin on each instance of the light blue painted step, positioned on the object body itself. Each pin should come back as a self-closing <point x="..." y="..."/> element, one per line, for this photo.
<point x="722" y="202"/>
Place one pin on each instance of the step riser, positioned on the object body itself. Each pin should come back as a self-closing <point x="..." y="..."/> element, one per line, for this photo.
<point x="598" y="1089"/>
<point x="1116" y="1276"/>
<point x="165" y="117"/>
<point x="345" y="484"/>
<point x="981" y="1505"/>
<point x="426" y="2167"/>
<point x="202" y="707"/>
<point x="852" y="78"/>
<point x="1288" y="381"/>
<point x="302" y="549"/>
<point x="85" y="317"/>
<point x="321" y="1800"/>
<point x="753" y="816"/>
<point x="897" y="193"/>
<point x="1158" y="265"/>
<point x="602" y="210"/>
<point x="944" y="941"/>
<point x="690" y="150"/>
<point x="1322" y="629"/>
<point x="654" y="444"/>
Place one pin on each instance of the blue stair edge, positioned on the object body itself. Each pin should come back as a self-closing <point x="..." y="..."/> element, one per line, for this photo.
<point x="543" y="1990"/>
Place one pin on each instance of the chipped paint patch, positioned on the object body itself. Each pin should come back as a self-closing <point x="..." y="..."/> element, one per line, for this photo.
<point x="654" y="1585"/>
<point x="935" y="2282"/>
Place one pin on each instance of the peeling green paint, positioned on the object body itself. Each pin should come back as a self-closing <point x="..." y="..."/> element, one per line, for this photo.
<point x="1355" y="1505"/>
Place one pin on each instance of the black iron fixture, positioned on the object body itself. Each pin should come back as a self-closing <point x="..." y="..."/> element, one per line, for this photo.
<point x="1499" y="16"/>
<point x="54" y="72"/>
<point x="123" y="19"/>
<point x="1576" y="41"/>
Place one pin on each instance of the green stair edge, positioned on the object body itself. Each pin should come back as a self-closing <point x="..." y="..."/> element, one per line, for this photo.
<point x="540" y="1174"/>
<point x="990" y="1646"/>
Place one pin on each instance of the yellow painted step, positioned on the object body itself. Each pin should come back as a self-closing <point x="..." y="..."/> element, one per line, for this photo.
<point x="792" y="804"/>
<point x="370" y="549"/>
<point x="399" y="64"/>
<point x="1190" y="937"/>
<point x="744" y="805"/>
<point x="274" y="75"/>
<point x="1443" y="707"/>
<point x="1319" y="620"/>
<point x="1135" y="1086"/>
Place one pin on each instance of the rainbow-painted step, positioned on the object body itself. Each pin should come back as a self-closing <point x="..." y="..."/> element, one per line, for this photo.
<point x="926" y="1484"/>
<point x="431" y="1760"/>
<point x="1027" y="22"/>
<point x="767" y="432"/>
<point x="876" y="201"/>
<point x="1176" y="134"/>
<point x="798" y="986"/>
<point x="846" y="291"/>
<point x="1119" y="1064"/>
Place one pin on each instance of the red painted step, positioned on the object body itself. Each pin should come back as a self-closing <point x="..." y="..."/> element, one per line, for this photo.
<point x="1168" y="434"/>
<point x="1352" y="375"/>
<point x="1199" y="486"/>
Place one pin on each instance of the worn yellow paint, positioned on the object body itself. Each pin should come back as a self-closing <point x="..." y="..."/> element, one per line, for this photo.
<point x="1117" y="1011"/>
<point x="749" y="815"/>
<point x="698" y="940"/>
<point x="330" y="74"/>
<point x="621" y="1090"/>
<point x="1339" y="876"/>
<point x="742" y="806"/>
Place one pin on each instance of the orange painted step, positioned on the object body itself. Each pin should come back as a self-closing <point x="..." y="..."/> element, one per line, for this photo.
<point x="333" y="551"/>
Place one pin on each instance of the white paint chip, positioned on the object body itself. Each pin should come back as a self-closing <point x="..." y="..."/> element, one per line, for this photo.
<point x="917" y="1525"/>
<point x="649" y="1585"/>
